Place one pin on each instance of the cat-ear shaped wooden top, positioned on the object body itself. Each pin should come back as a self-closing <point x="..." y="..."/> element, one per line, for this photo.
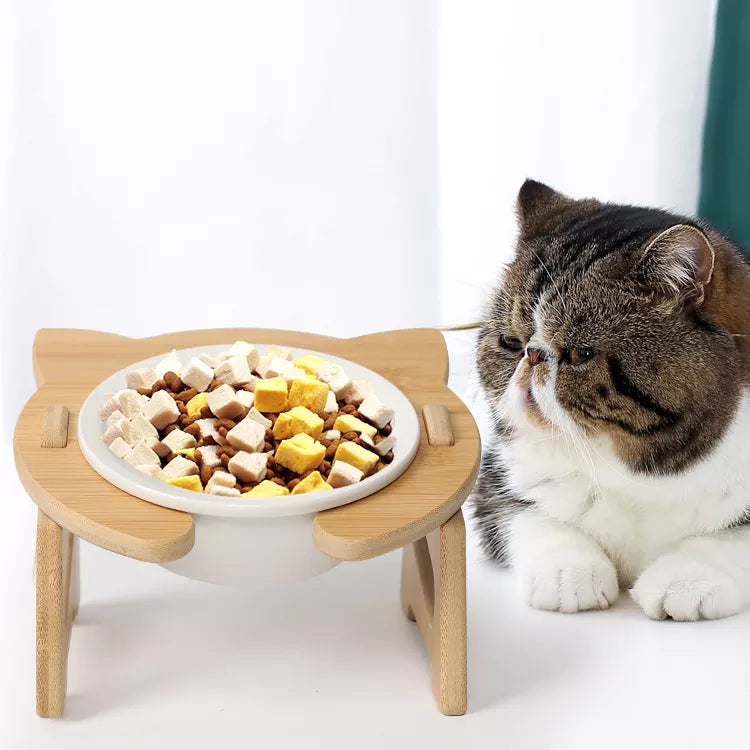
<point x="69" y="363"/>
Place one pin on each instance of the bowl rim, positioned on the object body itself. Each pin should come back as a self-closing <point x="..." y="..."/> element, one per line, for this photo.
<point x="130" y="480"/>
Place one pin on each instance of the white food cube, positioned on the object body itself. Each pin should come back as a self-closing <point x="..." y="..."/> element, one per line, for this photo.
<point x="119" y="447"/>
<point x="218" y="489"/>
<point x="289" y="372"/>
<point x="343" y="474"/>
<point x="248" y="435"/>
<point x="331" y="403"/>
<point x="151" y="469"/>
<point x="162" y="410"/>
<point x="332" y="435"/>
<point x="366" y="439"/>
<point x="197" y="374"/>
<point x="131" y="402"/>
<point x="357" y="392"/>
<point x="111" y="405"/>
<point x="140" y="426"/>
<point x="385" y="445"/>
<point x="250" y="385"/>
<point x="114" y="431"/>
<point x="246" y="398"/>
<point x="115" y="416"/>
<point x="142" y="454"/>
<point x="373" y="409"/>
<point x="208" y="455"/>
<point x="224" y="403"/>
<point x="177" y="440"/>
<point x="220" y="479"/>
<point x="275" y="350"/>
<point x="248" y="467"/>
<point x="207" y="427"/>
<point x="233" y="371"/>
<point x="143" y="377"/>
<point x="207" y="359"/>
<point x="272" y="367"/>
<point x="170" y="363"/>
<point x="255" y="415"/>
<point x="248" y="351"/>
<point x="332" y="374"/>
<point x="179" y="466"/>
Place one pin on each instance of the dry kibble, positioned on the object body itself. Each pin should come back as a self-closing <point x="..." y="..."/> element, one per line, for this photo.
<point x="173" y="382"/>
<point x="291" y="485"/>
<point x="181" y="406"/>
<point x="328" y="424"/>
<point x="215" y="384"/>
<point x="279" y="481"/>
<point x="169" y="429"/>
<point x="269" y="436"/>
<point x="324" y="442"/>
<point x="205" y="412"/>
<point x="350" y="436"/>
<point x="224" y="459"/>
<point x="386" y="430"/>
<point x="145" y="391"/>
<point x="227" y="424"/>
<point x="270" y="473"/>
<point x="205" y="474"/>
<point x="331" y="449"/>
<point x="159" y="385"/>
<point x="187" y="394"/>
<point x="222" y="431"/>
<point x="387" y="458"/>
<point x="194" y="430"/>
<point x="349" y="409"/>
<point x="208" y="440"/>
<point x="267" y="446"/>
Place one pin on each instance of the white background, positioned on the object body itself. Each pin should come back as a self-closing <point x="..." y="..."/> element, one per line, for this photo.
<point x="339" y="167"/>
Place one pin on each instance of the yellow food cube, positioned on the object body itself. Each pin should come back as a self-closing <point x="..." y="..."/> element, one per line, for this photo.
<point x="348" y="423"/>
<point x="189" y="483"/>
<point x="301" y="453"/>
<point x="357" y="456"/>
<point x="303" y="420"/>
<point x="309" y="363"/>
<point x="187" y="452"/>
<point x="312" y="483"/>
<point x="271" y="395"/>
<point x="196" y="403"/>
<point x="266" y="488"/>
<point x="306" y="391"/>
<point x="283" y="426"/>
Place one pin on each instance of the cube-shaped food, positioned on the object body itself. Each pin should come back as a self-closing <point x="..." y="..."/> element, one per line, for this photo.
<point x="348" y="423"/>
<point x="142" y="454"/>
<point x="162" y="410"/>
<point x="248" y="467"/>
<point x="208" y="455"/>
<point x="179" y="467"/>
<point x="259" y="418"/>
<point x="300" y="453"/>
<point x="266" y="488"/>
<point x="151" y="470"/>
<point x="197" y="374"/>
<point x="372" y="408"/>
<point x="178" y="440"/>
<point x="272" y="367"/>
<point x="343" y="474"/>
<point x="309" y="363"/>
<point x="143" y="377"/>
<point x="296" y="420"/>
<point x="140" y="426"/>
<point x="114" y="431"/>
<point x="248" y="435"/>
<point x="115" y="416"/>
<point x="331" y="404"/>
<point x="332" y="374"/>
<point x="219" y="489"/>
<point x="356" y="394"/>
<point x="119" y="447"/>
<point x="192" y="482"/>
<point x="308" y="392"/>
<point x="357" y="456"/>
<point x="132" y="403"/>
<point x="209" y="360"/>
<point x="246" y="398"/>
<point x="278" y="351"/>
<point x="196" y="403"/>
<point x="271" y="395"/>
<point x="248" y="351"/>
<point x="282" y="428"/>
<point x="223" y="402"/>
<point x="234" y="371"/>
<point x="170" y="363"/>
<point x="207" y="427"/>
<point x="221" y="478"/>
<point x="385" y="445"/>
<point x="313" y="482"/>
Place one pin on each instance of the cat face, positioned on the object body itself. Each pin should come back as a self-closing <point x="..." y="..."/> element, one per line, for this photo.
<point x="617" y="322"/>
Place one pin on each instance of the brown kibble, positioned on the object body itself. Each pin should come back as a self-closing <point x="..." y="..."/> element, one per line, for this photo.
<point x="267" y="446"/>
<point x="169" y="429"/>
<point x="225" y="459"/>
<point x="222" y="431"/>
<point x="183" y="420"/>
<point x="270" y="473"/>
<point x="350" y="436"/>
<point x="279" y="481"/>
<point x="159" y="385"/>
<point x="144" y="391"/>
<point x="187" y="394"/>
<point x="205" y="474"/>
<point x="331" y="449"/>
<point x="325" y="467"/>
<point x="181" y="406"/>
<point x="328" y="424"/>
<point x="214" y="384"/>
<point x="379" y="466"/>
<point x="221" y="440"/>
<point x="387" y="458"/>
<point x="386" y="430"/>
<point x="248" y="387"/>
<point x="349" y="409"/>
<point x="271" y="463"/>
<point x="226" y="424"/>
<point x="324" y="442"/>
<point x="272" y="416"/>
<point x="206" y="412"/>
<point x="194" y="430"/>
<point x="269" y="436"/>
<point x="169" y="457"/>
<point x="245" y="487"/>
<point x="208" y="440"/>
<point x="173" y="382"/>
<point x="226" y="450"/>
<point x="292" y="484"/>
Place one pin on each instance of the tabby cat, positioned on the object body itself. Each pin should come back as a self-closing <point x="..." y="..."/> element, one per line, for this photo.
<point x="616" y="359"/>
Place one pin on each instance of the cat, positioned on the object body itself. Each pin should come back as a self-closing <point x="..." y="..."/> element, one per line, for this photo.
<point x="615" y="358"/>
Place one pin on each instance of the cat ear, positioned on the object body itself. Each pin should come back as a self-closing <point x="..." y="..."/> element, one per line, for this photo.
<point x="535" y="202"/>
<point x="679" y="261"/>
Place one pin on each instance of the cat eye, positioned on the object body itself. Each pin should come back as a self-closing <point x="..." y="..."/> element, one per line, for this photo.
<point x="577" y="355"/>
<point x="511" y="344"/>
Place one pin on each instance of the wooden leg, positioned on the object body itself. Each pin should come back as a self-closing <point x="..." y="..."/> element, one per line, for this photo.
<point x="433" y="592"/>
<point x="57" y="590"/>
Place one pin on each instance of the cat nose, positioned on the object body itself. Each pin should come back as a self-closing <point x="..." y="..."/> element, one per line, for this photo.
<point x="535" y="355"/>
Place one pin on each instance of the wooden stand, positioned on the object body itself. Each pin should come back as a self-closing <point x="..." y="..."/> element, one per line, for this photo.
<point x="420" y="512"/>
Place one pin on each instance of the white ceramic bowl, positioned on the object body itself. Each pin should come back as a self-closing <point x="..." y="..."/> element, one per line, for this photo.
<point x="247" y="541"/>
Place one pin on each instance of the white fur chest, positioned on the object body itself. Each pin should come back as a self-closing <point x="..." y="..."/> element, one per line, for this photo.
<point x="633" y="517"/>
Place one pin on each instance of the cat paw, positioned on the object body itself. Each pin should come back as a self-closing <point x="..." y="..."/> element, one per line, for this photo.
<point x="571" y="583"/>
<point x="686" y="589"/>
